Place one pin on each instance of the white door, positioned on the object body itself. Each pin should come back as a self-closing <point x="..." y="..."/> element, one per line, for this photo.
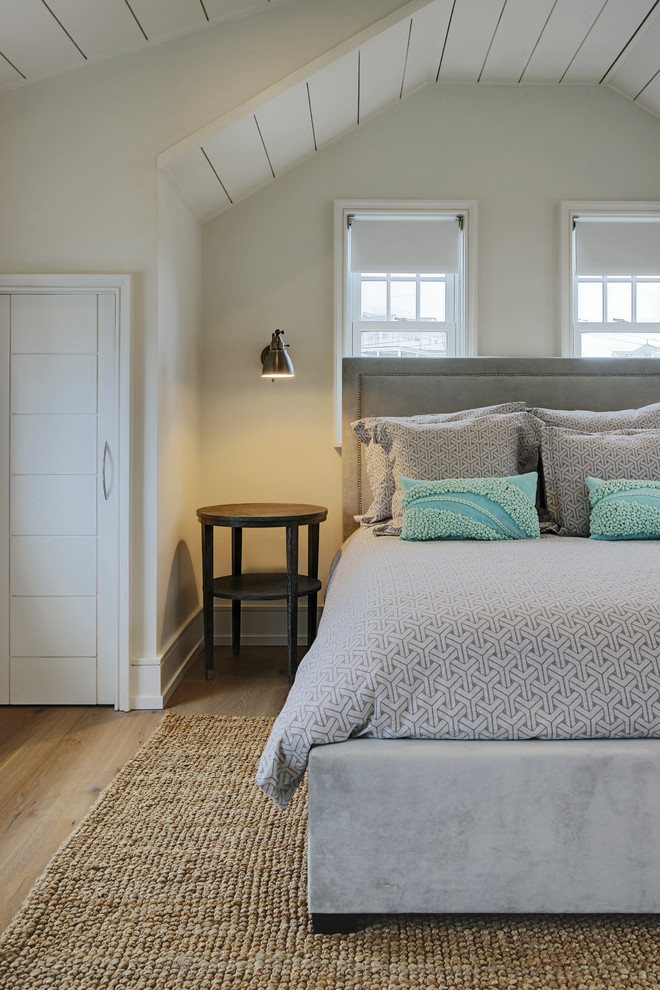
<point x="59" y="451"/>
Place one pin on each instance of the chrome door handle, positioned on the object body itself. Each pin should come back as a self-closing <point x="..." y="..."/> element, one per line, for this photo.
<point x="106" y="451"/>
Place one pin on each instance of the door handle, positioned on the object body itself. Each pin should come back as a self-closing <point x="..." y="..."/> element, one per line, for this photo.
<point x="106" y="451"/>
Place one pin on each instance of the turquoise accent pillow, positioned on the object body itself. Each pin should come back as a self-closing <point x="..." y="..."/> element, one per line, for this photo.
<point x="624" y="510"/>
<point x="471" y="509"/>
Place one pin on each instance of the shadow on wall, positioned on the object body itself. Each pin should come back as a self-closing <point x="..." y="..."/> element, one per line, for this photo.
<point x="183" y="596"/>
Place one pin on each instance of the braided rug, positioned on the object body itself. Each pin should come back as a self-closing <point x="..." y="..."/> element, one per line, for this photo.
<point x="184" y="875"/>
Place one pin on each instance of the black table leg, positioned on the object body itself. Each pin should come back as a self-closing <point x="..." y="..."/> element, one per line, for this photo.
<point x="236" y="564"/>
<point x="292" y="597"/>
<point x="207" y="598"/>
<point x="312" y="570"/>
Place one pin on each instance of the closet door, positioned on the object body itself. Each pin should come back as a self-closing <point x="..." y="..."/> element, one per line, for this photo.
<point x="62" y="505"/>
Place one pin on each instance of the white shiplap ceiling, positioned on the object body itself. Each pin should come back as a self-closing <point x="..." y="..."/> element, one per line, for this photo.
<point x="41" y="38"/>
<point x="614" y="43"/>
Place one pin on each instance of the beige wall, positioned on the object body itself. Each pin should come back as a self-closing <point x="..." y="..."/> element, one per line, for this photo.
<point x="179" y="301"/>
<point x="268" y="263"/>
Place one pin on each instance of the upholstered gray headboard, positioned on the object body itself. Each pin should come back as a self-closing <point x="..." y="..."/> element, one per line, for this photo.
<point x="408" y="386"/>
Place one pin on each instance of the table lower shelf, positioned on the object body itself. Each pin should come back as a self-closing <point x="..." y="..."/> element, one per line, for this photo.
<point x="261" y="587"/>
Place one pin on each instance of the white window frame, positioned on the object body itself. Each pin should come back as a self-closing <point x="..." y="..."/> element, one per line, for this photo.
<point x="464" y="338"/>
<point x="572" y="331"/>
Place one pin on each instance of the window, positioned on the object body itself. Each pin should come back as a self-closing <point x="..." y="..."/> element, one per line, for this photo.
<point x="404" y="314"/>
<point x="614" y="295"/>
<point x="404" y="278"/>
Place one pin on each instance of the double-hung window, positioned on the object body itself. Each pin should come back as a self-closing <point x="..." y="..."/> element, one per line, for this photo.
<point x="404" y="280"/>
<point x="614" y="292"/>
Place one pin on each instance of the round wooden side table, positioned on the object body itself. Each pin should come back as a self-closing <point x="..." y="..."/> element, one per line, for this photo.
<point x="259" y="586"/>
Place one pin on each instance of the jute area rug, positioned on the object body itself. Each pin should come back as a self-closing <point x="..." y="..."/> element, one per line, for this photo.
<point x="184" y="875"/>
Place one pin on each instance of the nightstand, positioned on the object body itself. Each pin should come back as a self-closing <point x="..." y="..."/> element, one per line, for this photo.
<point x="239" y="587"/>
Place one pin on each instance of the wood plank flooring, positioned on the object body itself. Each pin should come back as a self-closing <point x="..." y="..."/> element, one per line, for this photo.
<point x="55" y="761"/>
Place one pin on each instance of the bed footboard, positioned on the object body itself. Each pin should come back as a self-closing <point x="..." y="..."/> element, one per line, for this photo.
<point x="499" y="826"/>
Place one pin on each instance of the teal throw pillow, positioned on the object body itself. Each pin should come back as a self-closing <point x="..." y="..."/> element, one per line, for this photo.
<point x="471" y="509"/>
<point x="624" y="510"/>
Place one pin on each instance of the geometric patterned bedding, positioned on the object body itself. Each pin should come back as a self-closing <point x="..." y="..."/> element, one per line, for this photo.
<point x="557" y="638"/>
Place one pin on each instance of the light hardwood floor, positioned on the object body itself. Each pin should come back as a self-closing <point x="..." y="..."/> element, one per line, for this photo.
<point x="55" y="761"/>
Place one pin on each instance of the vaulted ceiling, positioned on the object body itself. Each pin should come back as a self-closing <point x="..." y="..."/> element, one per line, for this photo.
<point x="40" y="38"/>
<point x="612" y="43"/>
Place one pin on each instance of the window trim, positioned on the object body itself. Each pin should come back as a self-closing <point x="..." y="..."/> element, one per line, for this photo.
<point x="570" y="210"/>
<point x="342" y="316"/>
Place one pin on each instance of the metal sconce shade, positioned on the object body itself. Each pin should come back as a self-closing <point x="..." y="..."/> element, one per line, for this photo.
<point x="275" y="361"/>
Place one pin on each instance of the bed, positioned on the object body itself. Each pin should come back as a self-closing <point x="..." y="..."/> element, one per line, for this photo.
<point x="480" y="721"/>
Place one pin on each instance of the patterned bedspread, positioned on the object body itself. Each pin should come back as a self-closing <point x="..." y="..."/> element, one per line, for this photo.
<point x="557" y="638"/>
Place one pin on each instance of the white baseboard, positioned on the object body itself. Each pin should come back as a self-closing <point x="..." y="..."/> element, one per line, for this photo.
<point x="154" y="679"/>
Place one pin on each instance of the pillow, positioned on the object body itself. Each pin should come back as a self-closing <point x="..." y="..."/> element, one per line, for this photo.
<point x="569" y="457"/>
<point x="381" y="480"/>
<point x="487" y="446"/>
<point x="471" y="509"/>
<point x="377" y="446"/>
<point x="364" y="428"/>
<point x="624" y="510"/>
<point x="585" y="421"/>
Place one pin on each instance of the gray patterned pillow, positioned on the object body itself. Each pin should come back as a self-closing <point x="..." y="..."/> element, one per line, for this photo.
<point x="569" y="457"/>
<point x="377" y="447"/>
<point x="586" y="421"/>
<point x="484" y="447"/>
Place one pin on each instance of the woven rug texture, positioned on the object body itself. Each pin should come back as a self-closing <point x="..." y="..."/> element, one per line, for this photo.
<point x="185" y="877"/>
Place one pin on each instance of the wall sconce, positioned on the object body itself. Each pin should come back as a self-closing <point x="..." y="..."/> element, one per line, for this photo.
<point x="275" y="361"/>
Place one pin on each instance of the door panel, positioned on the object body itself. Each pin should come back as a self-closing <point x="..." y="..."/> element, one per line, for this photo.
<point x="44" y="565"/>
<point x="60" y="680"/>
<point x="107" y="499"/>
<point x="62" y="444"/>
<point x="53" y="504"/>
<point x="43" y="322"/>
<point x="43" y="627"/>
<point x="53" y="383"/>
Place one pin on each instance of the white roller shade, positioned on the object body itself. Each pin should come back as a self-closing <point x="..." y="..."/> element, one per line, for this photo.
<point x="408" y="244"/>
<point x="617" y="247"/>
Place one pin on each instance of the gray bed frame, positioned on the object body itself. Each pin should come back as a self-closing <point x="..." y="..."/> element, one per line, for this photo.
<point x="426" y="826"/>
